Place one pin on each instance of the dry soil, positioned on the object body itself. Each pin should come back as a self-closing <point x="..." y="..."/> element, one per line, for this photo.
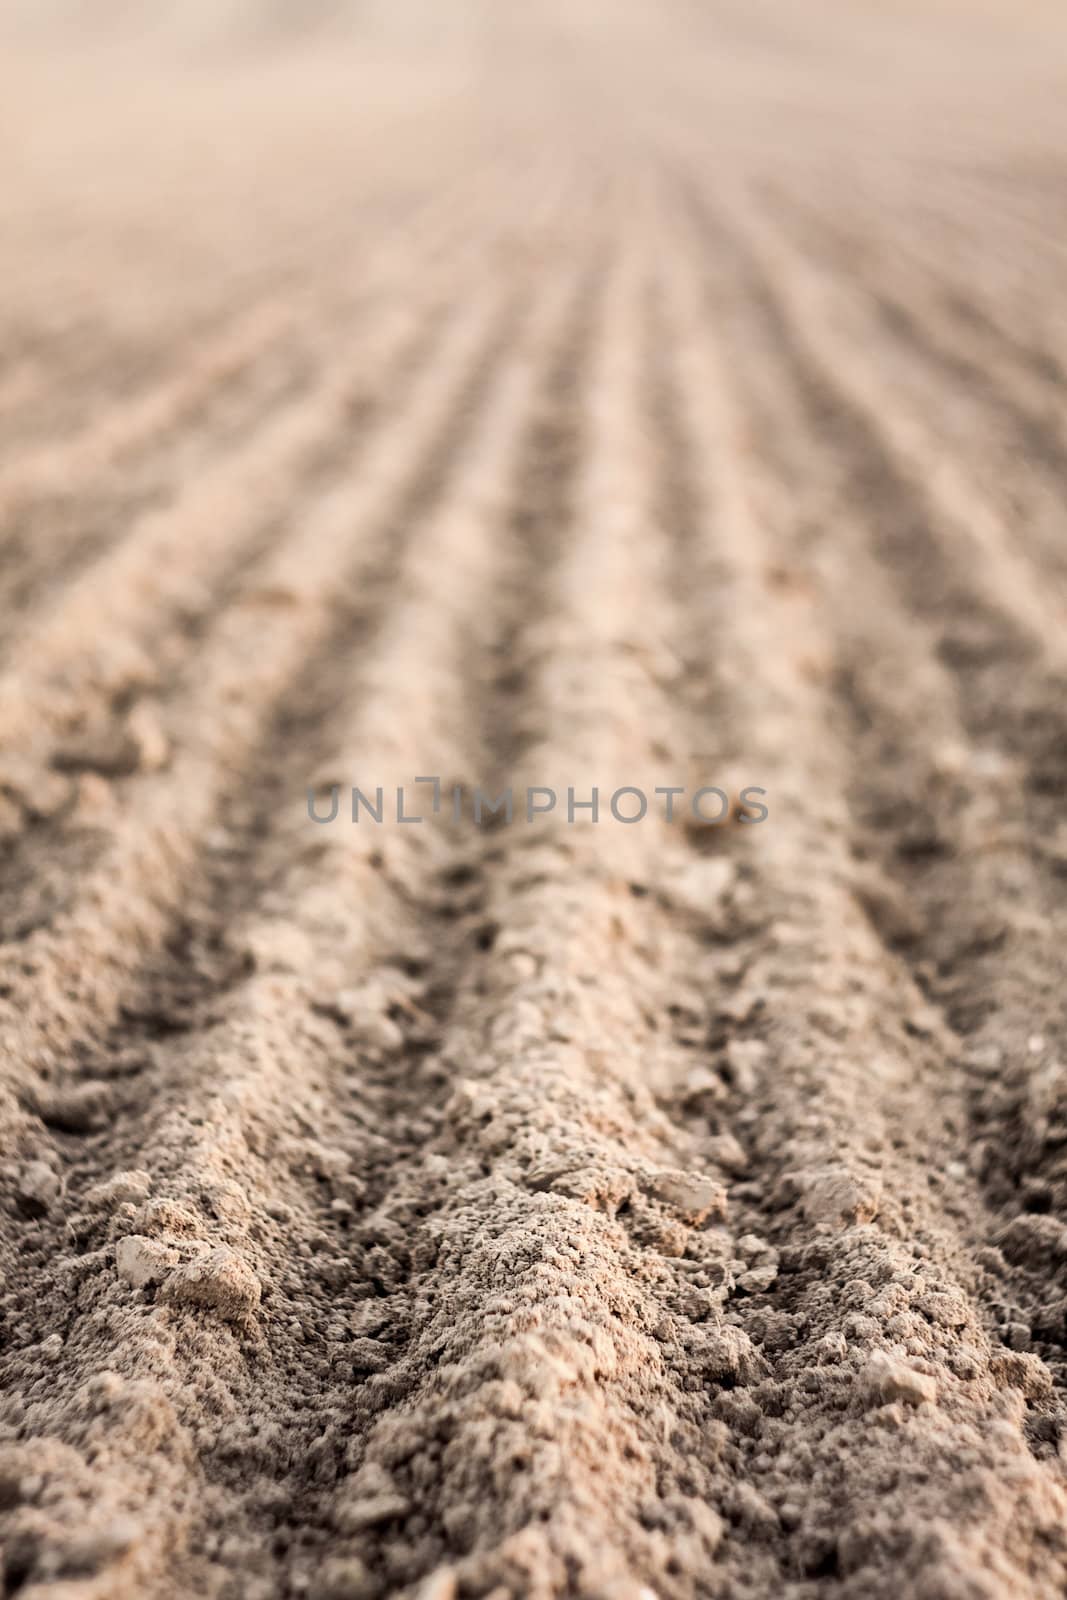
<point x="574" y="393"/>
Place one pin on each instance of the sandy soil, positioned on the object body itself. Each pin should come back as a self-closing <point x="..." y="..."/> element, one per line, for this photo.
<point x="580" y="393"/>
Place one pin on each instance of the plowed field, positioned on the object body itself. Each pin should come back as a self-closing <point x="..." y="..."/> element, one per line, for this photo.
<point x="536" y="398"/>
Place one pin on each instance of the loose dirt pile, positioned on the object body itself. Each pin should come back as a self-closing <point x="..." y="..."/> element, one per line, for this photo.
<point x="553" y="396"/>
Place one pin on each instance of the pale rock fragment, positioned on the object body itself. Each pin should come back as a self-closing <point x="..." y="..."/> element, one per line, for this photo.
<point x="38" y="1188"/>
<point x="700" y="886"/>
<point x="832" y="1347"/>
<point x="724" y="1151"/>
<point x="219" y="1280"/>
<point x="702" y="1085"/>
<point x="745" y="1059"/>
<point x="692" y="1195"/>
<point x="141" y="1261"/>
<point x="728" y="1356"/>
<point x="126" y="1186"/>
<point x="94" y="800"/>
<point x="357" y="1515"/>
<point x="368" y="1498"/>
<point x="839" y="1196"/>
<point x="889" y="1380"/>
<point x="344" y="1578"/>
<point x="149" y="746"/>
<point x="759" y="1277"/>
<point x="440" y="1585"/>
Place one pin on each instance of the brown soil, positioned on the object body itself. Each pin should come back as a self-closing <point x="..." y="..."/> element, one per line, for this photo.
<point x="580" y="393"/>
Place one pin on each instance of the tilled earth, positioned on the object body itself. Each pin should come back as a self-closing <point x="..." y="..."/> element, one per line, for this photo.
<point x="580" y="394"/>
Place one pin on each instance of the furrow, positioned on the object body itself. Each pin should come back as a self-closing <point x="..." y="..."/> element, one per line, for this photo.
<point x="56" y="539"/>
<point x="963" y="852"/>
<point x="1014" y="444"/>
<point x="128" y="622"/>
<point x="956" y="571"/>
<point x="962" y="855"/>
<point x="139" y="856"/>
<point x="957" y="319"/>
<point x="1010" y="679"/>
<point x="134" y="361"/>
<point x="444" y="415"/>
<point x="964" y="882"/>
<point x="557" y="1201"/>
<point x="62" y="507"/>
<point x="127" y="428"/>
<point x="966" y="857"/>
<point x="853" y="1282"/>
<point x="972" y="556"/>
<point x="331" y="948"/>
<point x="1045" y="367"/>
<point x="987" y="286"/>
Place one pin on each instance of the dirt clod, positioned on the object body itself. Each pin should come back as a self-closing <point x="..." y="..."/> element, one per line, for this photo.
<point x="218" y="1280"/>
<point x="889" y="1380"/>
